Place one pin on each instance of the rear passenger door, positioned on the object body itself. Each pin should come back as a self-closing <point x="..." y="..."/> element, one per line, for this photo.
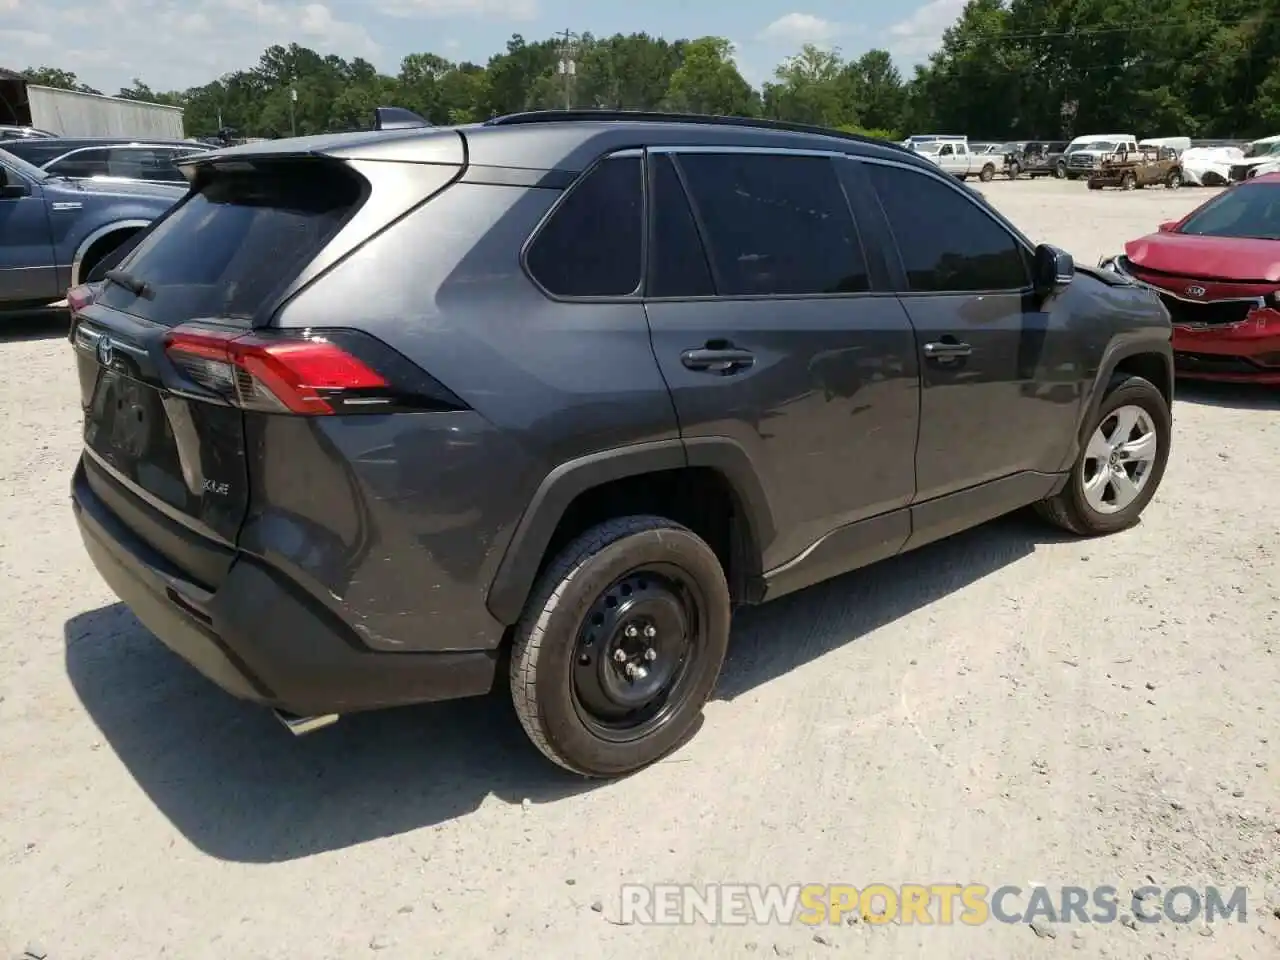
<point x="999" y="395"/>
<point x="771" y="329"/>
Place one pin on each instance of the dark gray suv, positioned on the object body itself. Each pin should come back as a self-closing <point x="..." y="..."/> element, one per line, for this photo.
<point x="373" y="419"/>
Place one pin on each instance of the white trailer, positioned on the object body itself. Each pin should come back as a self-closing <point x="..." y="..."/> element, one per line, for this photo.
<point x="69" y="113"/>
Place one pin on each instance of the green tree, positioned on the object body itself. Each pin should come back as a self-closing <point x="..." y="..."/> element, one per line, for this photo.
<point x="708" y="81"/>
<point x="54" y="77"/>
<point x="809" y="89"/>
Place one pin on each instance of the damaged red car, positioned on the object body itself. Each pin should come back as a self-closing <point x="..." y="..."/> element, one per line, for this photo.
<point x="1217" y="270"/>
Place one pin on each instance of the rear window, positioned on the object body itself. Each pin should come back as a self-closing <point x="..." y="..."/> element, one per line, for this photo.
<point x="235" y="245"/>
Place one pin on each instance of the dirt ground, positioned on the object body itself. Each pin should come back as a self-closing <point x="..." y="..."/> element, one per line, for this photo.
<point x="1006" y="707"/>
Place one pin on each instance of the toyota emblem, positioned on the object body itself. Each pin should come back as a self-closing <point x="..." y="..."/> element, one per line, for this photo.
<point x="106" y="351"/>
<point x="1195" y="291"/>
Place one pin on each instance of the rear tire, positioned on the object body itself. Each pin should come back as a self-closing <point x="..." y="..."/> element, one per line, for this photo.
<point x="1013" y="171"/>
<point x="1129" y="182"/>
<point x="634" y="606"/>
<point x="1083" y="507"/>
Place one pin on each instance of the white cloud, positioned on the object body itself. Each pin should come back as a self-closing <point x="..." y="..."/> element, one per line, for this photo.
<point x="797" y="29"/>
<point x="496" y="9"/>
<point x="25" y="38"/>
<point x="172" y="44"/>
<point x="914" y="38"/>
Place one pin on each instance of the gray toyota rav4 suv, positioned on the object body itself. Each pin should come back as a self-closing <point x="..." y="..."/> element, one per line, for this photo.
<point x="380" y="418"/>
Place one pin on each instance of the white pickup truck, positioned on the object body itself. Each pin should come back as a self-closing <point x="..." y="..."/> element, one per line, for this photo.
<point x="958" y="160"/>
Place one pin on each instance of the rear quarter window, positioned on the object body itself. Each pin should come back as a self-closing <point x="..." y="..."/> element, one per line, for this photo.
<point x="237" y="242"/>
<point x="591" y="244"/>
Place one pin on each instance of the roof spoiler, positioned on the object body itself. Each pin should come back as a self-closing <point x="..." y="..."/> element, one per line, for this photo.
<point x="397" y="118"/>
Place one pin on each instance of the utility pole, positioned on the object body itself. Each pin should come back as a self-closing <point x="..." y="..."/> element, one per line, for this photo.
<point x="293" y="101"/>
<point x="568" y="68"/>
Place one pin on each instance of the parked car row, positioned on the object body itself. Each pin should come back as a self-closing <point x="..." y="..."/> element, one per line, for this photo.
<point x="1104" y="159"/>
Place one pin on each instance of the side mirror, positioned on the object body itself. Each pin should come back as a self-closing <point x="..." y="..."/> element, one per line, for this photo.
<point x="1168" y="226"/>
<point x="1054" y="269"/>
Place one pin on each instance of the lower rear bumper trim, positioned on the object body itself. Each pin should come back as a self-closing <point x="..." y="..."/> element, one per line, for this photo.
<point x="257" y="640"/>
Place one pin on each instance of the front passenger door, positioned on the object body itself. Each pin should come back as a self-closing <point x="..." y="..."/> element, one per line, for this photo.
<point x="28" y="273"/>
<point x="999" y="371"/>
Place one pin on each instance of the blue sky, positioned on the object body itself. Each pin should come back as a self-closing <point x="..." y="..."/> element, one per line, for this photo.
<point x="181" y="43"/>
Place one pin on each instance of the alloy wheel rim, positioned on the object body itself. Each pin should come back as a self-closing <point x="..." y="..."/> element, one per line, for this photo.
<point x="1119" y="459"/>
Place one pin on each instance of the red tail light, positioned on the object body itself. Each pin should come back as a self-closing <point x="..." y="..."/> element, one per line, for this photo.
<point x="80" y="297"/>
<point x="275" y="373"/>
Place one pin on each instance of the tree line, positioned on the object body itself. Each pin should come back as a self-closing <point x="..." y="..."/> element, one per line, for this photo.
<point x="1006" y="69"/>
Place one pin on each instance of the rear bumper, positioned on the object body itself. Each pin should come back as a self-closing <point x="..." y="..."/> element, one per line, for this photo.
<point x="258" y="638"/>
<point x="1247" y="352"/>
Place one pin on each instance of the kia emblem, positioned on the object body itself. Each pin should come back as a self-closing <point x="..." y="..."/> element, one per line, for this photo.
<point x="106" y="351"/>
<point x="1195" y="291"/>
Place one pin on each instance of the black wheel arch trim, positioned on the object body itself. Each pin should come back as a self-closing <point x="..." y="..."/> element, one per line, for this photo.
<point x="537" y="525"/>
<point x="1116" y="353"/>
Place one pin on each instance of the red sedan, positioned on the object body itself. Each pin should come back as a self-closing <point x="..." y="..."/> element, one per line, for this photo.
<point x="1218" y="272"/>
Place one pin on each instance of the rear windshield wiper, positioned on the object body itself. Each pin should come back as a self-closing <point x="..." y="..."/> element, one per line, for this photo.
<point x="122" y="278"/>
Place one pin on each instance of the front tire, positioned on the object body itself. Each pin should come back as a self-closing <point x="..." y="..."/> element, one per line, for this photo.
<point x="1121" y="462"/>
<point x="987" y="174"/>
<point x="620" y="646"/>
<point x="1174" y="180"/>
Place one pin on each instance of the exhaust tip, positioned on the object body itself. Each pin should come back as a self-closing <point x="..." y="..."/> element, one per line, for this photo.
<point x="299" y="726"/>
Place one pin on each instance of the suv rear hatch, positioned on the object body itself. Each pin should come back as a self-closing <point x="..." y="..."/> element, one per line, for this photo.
<point x="171" y="358"/>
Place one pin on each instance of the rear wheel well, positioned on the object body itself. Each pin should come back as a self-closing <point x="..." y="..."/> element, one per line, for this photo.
<point x="1149" y="366"/>
<point x="700" y="498"/>
<point x="100" y="248"/>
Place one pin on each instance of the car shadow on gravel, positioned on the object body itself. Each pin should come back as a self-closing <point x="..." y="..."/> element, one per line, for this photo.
<point x="775" y="638"/>
<point x="1239" y="396"/>
<point x="241" y="788"/>
<point x="47" y="324"/>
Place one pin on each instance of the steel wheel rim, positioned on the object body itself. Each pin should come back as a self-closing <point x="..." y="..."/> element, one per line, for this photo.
<point x="1119" y="459"/>
<point x="636" y="652"/>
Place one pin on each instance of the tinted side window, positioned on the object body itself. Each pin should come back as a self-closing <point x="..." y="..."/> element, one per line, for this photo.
<point x="83" y="163"/>
<point x="948" y="243"/>
<point x="590" y="247"/>
<point x="144" y="163"/>
<point x="677" y="263"/>
<point x="775" y="224"/>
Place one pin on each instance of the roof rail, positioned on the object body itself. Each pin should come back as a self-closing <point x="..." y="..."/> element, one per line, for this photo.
<point x="657" y="116"/>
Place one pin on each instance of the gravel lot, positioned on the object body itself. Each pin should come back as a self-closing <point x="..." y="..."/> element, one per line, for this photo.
<point x="1004" y="707"/>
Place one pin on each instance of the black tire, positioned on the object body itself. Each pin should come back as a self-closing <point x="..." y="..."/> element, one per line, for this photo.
<point x="1013" y="171"/>
<point x="1060" y="171"/>
<point x="1174" y="180"/>
<point x="1069" y="509"/>
<point x="1128" y="182"/>
<point x="987" y="174"/>
<point x="1094" y="185"/>
<point x="556" y="649"/>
